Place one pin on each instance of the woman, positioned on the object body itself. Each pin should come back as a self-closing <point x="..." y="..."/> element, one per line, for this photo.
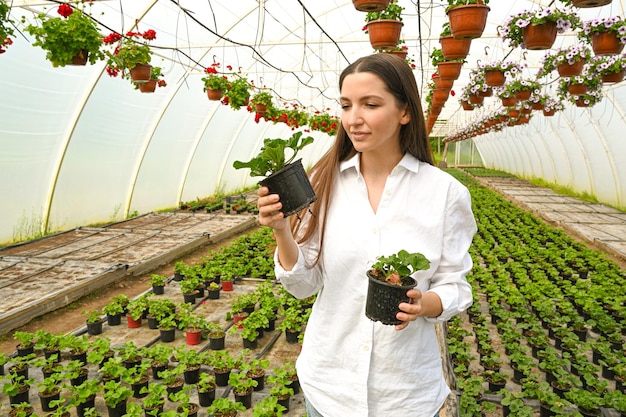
<point x="377" y="193"/>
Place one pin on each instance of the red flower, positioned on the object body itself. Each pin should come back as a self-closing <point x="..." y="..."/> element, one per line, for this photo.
<point x="112" y="38"/>
<point x="211" y="70"/>
<point x="452" y="93"/>
<point x="229" y="67"/>
<point x="149" y="35"/>
<point x="113" y="72"/>
<point x="65" y="10"/>
<point x="162" y="83"/>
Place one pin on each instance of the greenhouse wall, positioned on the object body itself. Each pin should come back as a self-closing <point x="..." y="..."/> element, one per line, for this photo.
<point x="579" y="148"/>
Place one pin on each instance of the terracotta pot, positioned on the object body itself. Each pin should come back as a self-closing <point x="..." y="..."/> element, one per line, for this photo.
<point x="486" y="93"/>
<point x="214" y="95"/>
<point x="577" y="89"/>
<point x="435" y="110"/>
<point x="147" y="87"/>
<point x="141" y="73"/>
<point x="570" y="70"/>
<point x="468" y="21"/>
<point x="590" y="3"/>
<point x="441" y="84"/>
<point x="606" y="43"/>
<point x="260" y="108"/>
<point x="80" y="58"/>
<point x="538" y="37"/>
<point x="132" y="323"/>
<point x="494" y="78"/>
<point x="476" y="99"/>
<point x="452" y="48"/>
<point x="384" y="34"/>
<point x="522" y="95"/>
<point x="449" y="70"/>
<point x="370" y="5"/>
<point x="467" y="106"/>
<point x="580" y="102"/>
<point x="509" y="101"/>
<point x="439" y="97"/>
<point x="513" y="113"/>
<point x="613" y="78"/>
<point x="400" y="54"/>
<point x="537" y="106"/>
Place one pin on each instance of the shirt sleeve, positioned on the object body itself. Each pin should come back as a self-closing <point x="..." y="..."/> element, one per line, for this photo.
<point x="449" y="280"/>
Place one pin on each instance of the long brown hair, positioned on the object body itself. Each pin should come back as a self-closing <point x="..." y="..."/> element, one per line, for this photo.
<point x="400" y="82"/>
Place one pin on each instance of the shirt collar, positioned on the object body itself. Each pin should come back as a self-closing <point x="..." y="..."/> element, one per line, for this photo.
<point x="408" y="162"/>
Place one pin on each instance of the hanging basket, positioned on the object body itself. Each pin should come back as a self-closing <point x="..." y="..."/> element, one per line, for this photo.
<point x="467" y="106"/>
<point x="549" y="113"/>
<point x="452" y="48"/>
<point x="214" y="95"/>
<point x="577" y="89"/>
<point x="260" y="108"/>
<point x="606" y="43"/>
<point x="148" y="87"/>
<point x="494" y="78"/>
<point x="449" y="70"/>
<point x="486" y="93"/>
<point x="468" y="21"/>
<point x="441" y="84"/>
<point x="370" y="5"/>
<point x="384" y="34"/>
<point x="613" y="78"/>
<point x="523" y="95"/>
<point x="80" y="58"/>
<point x="476" y="99"/>
<point x="514" y="113"/>
<point x="590" y="3"/>
<point x="570" y="70"/>
<point x="538" y="37"/>
<point x="509" y="101"/>
<point x="141" y="73"/>
<point x="580" y="102"/>
<point x="537" y="106"/>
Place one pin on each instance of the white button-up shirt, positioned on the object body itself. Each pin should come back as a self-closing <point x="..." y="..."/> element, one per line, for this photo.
<point x="350" y="365"/>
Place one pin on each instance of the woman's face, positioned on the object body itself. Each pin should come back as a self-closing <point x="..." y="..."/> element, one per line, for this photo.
<point x="370" y="114"/>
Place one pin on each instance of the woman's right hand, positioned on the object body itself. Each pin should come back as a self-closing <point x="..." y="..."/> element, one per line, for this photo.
<point x="269" y="214"/>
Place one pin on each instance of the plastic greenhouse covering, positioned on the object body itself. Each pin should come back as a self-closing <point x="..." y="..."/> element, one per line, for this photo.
<point x="78" y="146"/>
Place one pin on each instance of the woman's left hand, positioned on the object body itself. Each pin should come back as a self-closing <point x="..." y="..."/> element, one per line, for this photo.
<point x="410" y="311"/>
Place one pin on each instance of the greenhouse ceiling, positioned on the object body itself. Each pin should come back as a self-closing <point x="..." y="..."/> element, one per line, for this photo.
<point x="75" y="133"/>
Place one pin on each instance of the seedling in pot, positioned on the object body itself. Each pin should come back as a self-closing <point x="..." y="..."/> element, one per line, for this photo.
<point x="392" y="269"/>
<point x="272" y="156"/>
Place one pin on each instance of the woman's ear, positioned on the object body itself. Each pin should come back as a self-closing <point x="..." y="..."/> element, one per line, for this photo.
<point x="406" y="116"/>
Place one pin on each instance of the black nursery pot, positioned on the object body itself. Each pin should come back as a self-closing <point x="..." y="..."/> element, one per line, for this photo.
<point x="293" y="186"/>
<point x="383" y="299"/>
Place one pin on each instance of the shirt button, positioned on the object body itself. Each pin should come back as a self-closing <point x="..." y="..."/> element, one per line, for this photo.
<point x="374" y="231"/>
<point x="366" y="347"/>
<point x="388" y="192"/>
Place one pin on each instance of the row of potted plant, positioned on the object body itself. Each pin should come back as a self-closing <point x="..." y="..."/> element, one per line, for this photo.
<point x="549" y="301"/>
<point x="176" y="375"/>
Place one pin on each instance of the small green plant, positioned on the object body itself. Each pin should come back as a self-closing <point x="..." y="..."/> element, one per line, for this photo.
<point x="272" y="156"/>
<point x="394" y="267"/>
<point x="93" y="316"/>
<point x="115" y="393"/>
<point x="157" y="280"/>
<point x="268" y="407"/>
<point x="225" y="407"/>
<point x="72" y="33"/>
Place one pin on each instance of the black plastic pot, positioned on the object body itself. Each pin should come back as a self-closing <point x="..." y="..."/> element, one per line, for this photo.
<point x="293" y="186"/>
<point x="383" y="300"/>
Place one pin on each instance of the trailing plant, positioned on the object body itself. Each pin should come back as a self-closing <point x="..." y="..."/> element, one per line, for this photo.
<point x="612" y="24"/>
<point x="513" y="27"/>
<point x="129" y="51"/>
